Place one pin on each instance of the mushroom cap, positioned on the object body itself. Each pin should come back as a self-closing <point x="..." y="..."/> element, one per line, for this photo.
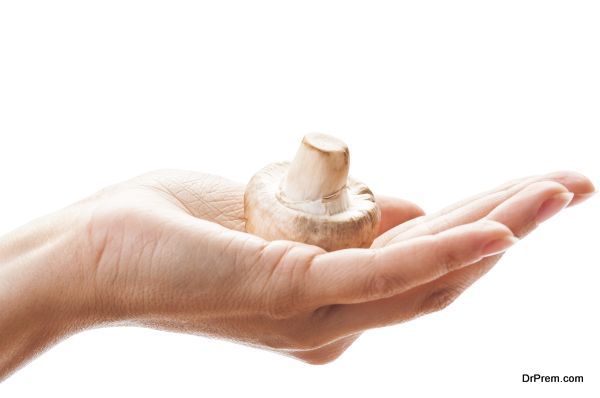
<point x="272" y="216"/>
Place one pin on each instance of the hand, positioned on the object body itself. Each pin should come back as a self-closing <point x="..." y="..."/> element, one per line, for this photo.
<point x="167" y="250"/>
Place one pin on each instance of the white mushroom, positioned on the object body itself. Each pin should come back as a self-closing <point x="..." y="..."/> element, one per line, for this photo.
<point x="312" y="199"/>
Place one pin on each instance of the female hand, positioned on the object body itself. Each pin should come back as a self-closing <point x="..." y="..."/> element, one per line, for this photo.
<point x="168" y="250"/>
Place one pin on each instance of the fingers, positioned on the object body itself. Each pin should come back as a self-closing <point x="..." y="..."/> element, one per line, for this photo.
<point x="577" y="182"/>
<point x="580" y="185"/>
<point x="424" y="299"/>
<point x="430" y="297"/>
<point x="532" y="206"/>
<point x="395" y="211"/>
<point x="521" y="213"/>
<point x="357" y="275"/>
<point x="479" y="206"/>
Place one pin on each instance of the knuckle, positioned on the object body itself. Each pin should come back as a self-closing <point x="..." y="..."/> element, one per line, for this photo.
<point x="384" y="284"/>
<point x="441" y="223"/>
<point x="440" y="299"/>
<point x="450" y="261"/>
<point x="286" y="288"/>
<point x="448" y="257"/>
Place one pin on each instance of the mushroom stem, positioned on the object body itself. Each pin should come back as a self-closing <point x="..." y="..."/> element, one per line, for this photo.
<point x="318" y="175"/>
<point x="312" y="199"/>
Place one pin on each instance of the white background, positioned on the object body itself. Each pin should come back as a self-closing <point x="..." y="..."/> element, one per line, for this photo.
<point x="437" y="100"/>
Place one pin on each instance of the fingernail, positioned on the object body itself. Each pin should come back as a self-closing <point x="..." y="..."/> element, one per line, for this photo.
<point x="581" y="197"/>
<point x="498" y="246"/>
<point x="552" y="206"/>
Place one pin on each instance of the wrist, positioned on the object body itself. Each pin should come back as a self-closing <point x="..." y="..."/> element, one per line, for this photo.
<point x="42" y="293"/>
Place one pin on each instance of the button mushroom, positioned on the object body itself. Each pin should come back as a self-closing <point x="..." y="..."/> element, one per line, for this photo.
<point x="312" y="199"/>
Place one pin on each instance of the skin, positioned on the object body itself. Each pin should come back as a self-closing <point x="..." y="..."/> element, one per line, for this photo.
<point x="168" y="250"/>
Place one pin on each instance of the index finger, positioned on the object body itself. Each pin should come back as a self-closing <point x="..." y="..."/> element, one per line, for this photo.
<point x="359" y="275"/>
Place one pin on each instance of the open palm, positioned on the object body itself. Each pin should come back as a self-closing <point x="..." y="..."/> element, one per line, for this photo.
<point x="172" y="253"/>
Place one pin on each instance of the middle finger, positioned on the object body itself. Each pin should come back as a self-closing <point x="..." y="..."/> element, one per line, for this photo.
<point x="478" y="207"/>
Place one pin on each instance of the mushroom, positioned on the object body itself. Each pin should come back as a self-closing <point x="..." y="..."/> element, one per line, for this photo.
<point x="312" y="199"/>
